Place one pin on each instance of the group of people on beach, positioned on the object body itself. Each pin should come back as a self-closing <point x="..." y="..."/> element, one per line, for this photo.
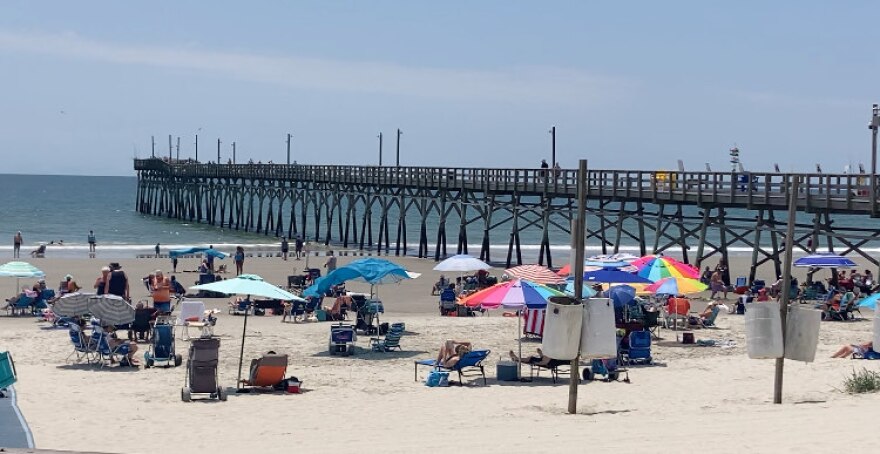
<point x="18" y="241"/>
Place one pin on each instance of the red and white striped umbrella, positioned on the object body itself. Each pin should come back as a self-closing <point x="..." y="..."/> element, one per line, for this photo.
<point x="535" y="273"/>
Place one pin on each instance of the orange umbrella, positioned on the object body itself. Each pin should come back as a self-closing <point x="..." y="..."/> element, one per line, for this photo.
<point x="535" y="273"/>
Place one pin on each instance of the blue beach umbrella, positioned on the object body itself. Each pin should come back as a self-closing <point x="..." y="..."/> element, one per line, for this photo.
<point x="824" y="261"/>
<point x="613" y="276"/>
<point x="193" y="250"/>
<point x="870" y="301"/>
<point x="370" y="270"/>
<point x="622" y="295"/>
<point x="587" y="291"/>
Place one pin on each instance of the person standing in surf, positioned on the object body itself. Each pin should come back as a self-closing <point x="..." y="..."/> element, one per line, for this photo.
<point x="91" y="239"/>
<point x="16" y="245"/>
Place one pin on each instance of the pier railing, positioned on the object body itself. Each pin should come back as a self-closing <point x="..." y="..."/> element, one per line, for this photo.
<point x="849" y="193"/>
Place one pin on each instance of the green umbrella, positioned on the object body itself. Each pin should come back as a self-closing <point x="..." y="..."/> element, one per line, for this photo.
<point x="250" y="285"/>
<point x="20" y="270"/>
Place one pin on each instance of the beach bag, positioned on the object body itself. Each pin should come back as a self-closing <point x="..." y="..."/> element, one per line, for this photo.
<point x="437" y="378"/>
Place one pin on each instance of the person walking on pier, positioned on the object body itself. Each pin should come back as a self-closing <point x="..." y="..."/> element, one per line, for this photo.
<point x="16" y="245"/>
<point x="298" y="247"/>
<point x="544" y="167"/>
<point x="285" y="247"/>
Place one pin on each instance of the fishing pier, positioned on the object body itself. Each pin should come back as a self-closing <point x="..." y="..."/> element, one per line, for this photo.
<point x="695" y="214"/>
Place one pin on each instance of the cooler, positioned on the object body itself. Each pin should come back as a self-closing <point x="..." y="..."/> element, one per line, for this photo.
<point x="506" y="371"/>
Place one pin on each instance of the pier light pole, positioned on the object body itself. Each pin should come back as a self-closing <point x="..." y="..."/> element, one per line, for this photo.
<point x="398" y="146"/>
<point x="178" y="148"/>
<point x="233" y="154"/>
<point x="170" y="148"/>
<point x="218" y="151"/>
<point x="197" y="148"/>
<point x="553" y="146"/>
<point x="153" y="146"/>
<point x="289" y="135"/>
<point x="874" y="126"/>
<point x="380" y="149"/>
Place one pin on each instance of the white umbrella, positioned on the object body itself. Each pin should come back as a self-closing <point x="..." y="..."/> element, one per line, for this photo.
<point x="20" y="270"/>
<point x="462" y="263"/>
<point x="72" y="304"/>
<point x="111" y="309"/>
<point x="247" y="284"/>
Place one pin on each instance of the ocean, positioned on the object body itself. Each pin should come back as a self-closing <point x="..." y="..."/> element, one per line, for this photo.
<point x="51" y="209"/>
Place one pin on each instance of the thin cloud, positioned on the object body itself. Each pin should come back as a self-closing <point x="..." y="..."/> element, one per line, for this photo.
<point x="532" y="84"/>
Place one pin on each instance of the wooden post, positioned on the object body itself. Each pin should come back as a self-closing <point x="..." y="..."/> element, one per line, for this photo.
<point x="786" y="282"/>
<point x="578" y="269"/>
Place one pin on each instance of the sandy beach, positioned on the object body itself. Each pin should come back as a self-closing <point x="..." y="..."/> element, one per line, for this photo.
<point x="697" y="399"/>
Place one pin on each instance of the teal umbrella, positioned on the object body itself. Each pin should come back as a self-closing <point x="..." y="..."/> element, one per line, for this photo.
<point x="250" y="285"/>
<point x="20" y="270"/>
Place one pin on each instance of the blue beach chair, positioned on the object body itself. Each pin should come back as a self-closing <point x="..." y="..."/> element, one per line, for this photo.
<point x="8" y="376"/>
<point x="103" y="351"/>
<point x="471" y="362"/>
<point x="81" y="345"/>
<point x="639" y="349"/>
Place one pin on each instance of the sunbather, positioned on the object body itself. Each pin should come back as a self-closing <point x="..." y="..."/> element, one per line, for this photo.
<point x="451" y="352"/>
<point x="540" y="360"/>
<point x="857" y="349"/>
<point x="115" y="342"/>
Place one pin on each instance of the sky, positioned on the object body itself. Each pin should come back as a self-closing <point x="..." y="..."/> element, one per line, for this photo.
<point x="638" y="84"/>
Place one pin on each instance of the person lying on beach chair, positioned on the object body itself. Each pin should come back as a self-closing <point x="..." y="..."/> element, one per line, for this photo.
<point x="39" y="252"/>
<point x="857" y="351"/>
<point x="540" y="360"/>
<point x="451" y="351"/>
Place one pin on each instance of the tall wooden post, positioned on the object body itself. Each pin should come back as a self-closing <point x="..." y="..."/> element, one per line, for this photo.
<point x="170" y="149"/>
<point x="380" y="149"/>
<point x="578" y="269"/>
<point x="786" y="281"/>
<point x="153" y="146"/>
<point x="398" y="146"/>
<point x="178" y="148"/>
<point x="218" y="151"/>
<point x="197" y="148"/>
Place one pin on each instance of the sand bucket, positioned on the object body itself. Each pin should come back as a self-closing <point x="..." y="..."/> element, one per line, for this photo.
<point x="598" y="333"/>
<point x="562" y="328"/>
<point x="802" y="333"/>
<point x="764" y="331"/>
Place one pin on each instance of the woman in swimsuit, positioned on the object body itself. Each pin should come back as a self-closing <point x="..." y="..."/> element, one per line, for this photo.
<point x="849" y="350"/>
<point x="451" y="352"/>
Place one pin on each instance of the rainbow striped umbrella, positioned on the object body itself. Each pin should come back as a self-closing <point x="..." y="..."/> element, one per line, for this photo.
<point x="660" y="267"/>
<point x="676" y="286"/>
<point x="514" y="294"/>
<point x="535" y="273"/>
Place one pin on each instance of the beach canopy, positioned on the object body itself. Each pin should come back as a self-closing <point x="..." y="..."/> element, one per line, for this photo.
<point x="613" y="276"/>
<point x="659" y="267"/>
<point x="111" y="309"/>
<point x="248" y="284"/>
<point x="20" y="270"/>
<point x="370" y="270"/>
<point x="676" y="286"/>
<point x="72" y="304"/>
<point x="515" y="294"/>
<point x="174" y="253"/>
<point x="824" y="261"/>
<point x="462" y="263"/>
<point x="535" y="273"/>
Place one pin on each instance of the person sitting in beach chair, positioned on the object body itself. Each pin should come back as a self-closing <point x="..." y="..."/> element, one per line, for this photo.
<point x="266" y="371"/>
<point x="451" y="351"/>
<point x="440" y="285"/>
<point x="221" y="269"/>
<point x="857" y="351"/>
<point x="540" y="360"/>
<point x="447" y="300"/>
<point x="39" y="252"/>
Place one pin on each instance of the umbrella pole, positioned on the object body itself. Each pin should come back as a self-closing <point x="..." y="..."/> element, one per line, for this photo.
<point x="241" y="353"/>
<point x="519" y="341"/>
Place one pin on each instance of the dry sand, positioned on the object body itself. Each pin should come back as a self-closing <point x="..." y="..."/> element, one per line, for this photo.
<point x="699" y="399"/>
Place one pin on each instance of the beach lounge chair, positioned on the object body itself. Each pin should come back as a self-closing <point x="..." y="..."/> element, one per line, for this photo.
<point x="470" y="364"/>
<point x="8" y="376"/>
<point x="103" y="351"/>
<point x="556" y="367"/>
<point x="267" y="371"/>
<point x="21" y="305"/>
<point x="162" y="349"/>
<point x="201" y="370"/>
<point x="296" y="282"/>
<point x="81" y="347"/>
<point x="241" y="308"/>
<point x="391" y="341"/>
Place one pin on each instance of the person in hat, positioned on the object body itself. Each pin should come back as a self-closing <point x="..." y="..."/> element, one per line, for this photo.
<point x="68" y="285"/>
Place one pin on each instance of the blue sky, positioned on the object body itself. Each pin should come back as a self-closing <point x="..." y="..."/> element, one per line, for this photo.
<point x="627" y="84"/>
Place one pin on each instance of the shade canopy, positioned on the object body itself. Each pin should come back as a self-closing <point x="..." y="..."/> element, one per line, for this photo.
<point x="535" y="273"/>
<point x="676" y="286"/>
<point x="20" y="270"/>
<point x="613" y="276"/>
<point x="248" y="284"/>
<point x="370" y="270"/>
<point x="514" y="294"/>
<point x="824" y="261"/>
<point x="194" y="250"/>
<point x="462" y="263"/>
<point x="111" y="309"/>
<point x="72" y="304"/>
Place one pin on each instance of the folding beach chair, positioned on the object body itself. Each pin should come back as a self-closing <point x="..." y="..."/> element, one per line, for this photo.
<point x="103" y="351"/>
<point x="391" y="341"/>
<point x="267" y="371"/>
<point x="8" y="375"/>
<point x="81" y="347"/>
<point x="556" y="367"/>
<point x="471" y="362"/>
<point x="638" y="348"/>
<point x="192" y="315"/>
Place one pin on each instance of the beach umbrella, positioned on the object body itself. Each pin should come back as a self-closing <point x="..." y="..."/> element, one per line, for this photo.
<point x="535" y="273"/>
<point x="620" y="256"/>
<point x="370" y="270"/>
<point x="870" y="301"/>
<point x="516" y="294"/>
<point x="110" y="309"/>
<point x="587" y="291"/>
<point x="598" y="264"/>
<point x="824" y="261"/>
<point x="462" y="263"/>
<point x="660" y="267"/>
<point x="613" y="276"/>
<point x="250" y="285"/>
<point x="621" y="295"/>
<point x="72" y="304"/>
<point x="193" y="250"/>
<point x="20" y="270"/>
<point x="676" y="286"/>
